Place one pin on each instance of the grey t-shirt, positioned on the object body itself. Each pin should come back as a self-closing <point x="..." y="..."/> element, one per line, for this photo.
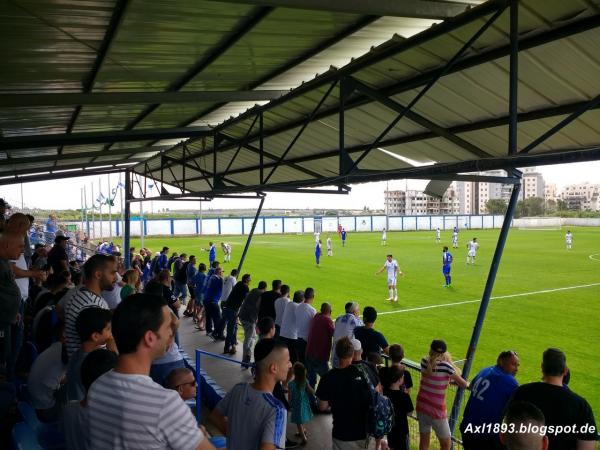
<point x="253" y="418"/>
<point x="249" y="308"/>
<point x="75" y="421"/>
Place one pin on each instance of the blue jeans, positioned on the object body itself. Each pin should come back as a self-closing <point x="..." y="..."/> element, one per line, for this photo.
<point x="315" y="367"/>
<point x="181" y="290"/>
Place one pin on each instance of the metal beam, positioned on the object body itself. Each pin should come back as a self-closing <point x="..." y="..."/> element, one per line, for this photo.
<point x="478" y="178"/>
<point x="513" y="75"/>
<point x="485" y="300"/>
<point x="65" y="156"/>
<point x="475" y="126"/>
<point x="228" y="41"/>
<point x="68" y="167"/>
<point x="135" y="98"/>
<point x="99" y="137"/>
<point x="419" y="119"/>
<point x="420" y="79"/>
<point x="115" y="20"/>
<point x="428" y="86"/>
<point x="507" y="163"/>
<point x="5" y="180"/>
<point x="127" y="219"/>
<point x="249" y="240"/>
<point x="291" y="64"/>
<point x="422" y="9"/>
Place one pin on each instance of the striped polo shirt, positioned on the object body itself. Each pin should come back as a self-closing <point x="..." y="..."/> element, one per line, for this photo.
<point x="135" y="413"/>
<point x="431" y="399"/>
<point x="83" y="298"/>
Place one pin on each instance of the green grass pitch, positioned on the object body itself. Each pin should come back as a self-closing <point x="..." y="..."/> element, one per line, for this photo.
<point x="533" y="261"/>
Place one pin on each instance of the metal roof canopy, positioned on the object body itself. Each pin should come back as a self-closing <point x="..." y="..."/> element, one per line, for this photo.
<point x="93" y="67"/>
<point x="303" y="139"/>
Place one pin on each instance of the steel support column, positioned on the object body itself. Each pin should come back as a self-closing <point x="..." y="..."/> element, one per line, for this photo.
<point x="127" y="220"/>
<point x="513" y="102"/>
<point x="485" y="300"/>
<point x="249" y="240"/>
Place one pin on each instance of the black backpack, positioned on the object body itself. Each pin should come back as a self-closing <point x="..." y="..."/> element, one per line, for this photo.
<point x="380" y="419"/>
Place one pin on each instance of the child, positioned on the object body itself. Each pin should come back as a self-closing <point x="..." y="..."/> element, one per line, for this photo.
<point x="398" y="437"/>
<point x="94" y="330"/>
<point x="75" y="415"/>
<point x="298" y="396"/>
<point x="396" y="353"/>
<point x="437" y="370"/>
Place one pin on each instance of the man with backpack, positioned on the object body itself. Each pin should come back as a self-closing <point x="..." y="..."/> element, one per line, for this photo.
<point x="160" y="262"/>
<point x="346" y="390"/>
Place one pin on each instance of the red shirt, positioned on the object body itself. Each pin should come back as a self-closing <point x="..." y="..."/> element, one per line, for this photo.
<point x="319" y="337"/>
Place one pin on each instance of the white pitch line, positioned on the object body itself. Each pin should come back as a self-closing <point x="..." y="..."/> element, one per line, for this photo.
<point x="522" y="294"/>
<point x="592" y="256"/>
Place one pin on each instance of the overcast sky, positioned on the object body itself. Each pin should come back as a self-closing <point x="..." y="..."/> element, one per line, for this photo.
<point x="65" y="194"/>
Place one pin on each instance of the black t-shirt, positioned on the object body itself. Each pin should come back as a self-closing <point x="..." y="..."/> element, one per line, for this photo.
<point x="372" y="341"/>
<point x="237" y="296"/>
<point x="167" y="294"/>
<point x="55" y="256"/>
<point x="348" y="394"/>
<point x="402" y="406"/>
<point x="267" y="304"/>
<point x="560" y="406"/>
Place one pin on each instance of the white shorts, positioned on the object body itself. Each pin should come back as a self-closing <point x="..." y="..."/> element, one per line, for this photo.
<point x="391" y="281"/>
<point x="440" y="426"/>
<point x="471" y="253"/>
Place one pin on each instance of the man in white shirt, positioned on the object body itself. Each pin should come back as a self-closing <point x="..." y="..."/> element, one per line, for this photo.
<point x="438" y="235"/>
<point x="288" y="332"/>
<point x="304" y="315"/>
<point x="472" y="247"/>
<point x="156" y="418"/>
<point x="228" y="284"/>
<point x="345" y="325"/>
<point x="329" y="246"/>
<point x="317" y="236"/>
<point x="384" y="237"/>
<point x="280" y="304"/>
<point x="391" y="266"/>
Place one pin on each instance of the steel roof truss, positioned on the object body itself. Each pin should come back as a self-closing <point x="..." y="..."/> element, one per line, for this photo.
<point x="428" y="86"/>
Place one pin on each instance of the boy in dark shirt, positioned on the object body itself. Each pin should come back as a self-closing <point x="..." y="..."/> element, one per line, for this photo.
<point x="398" y="438"/>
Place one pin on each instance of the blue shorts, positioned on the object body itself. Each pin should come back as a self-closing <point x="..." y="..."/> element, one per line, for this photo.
<point x="446" y="270"/>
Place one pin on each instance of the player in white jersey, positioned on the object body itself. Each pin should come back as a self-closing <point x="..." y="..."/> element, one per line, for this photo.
<point x="329" y="247"/>
<point x="455" y="239"/>
<point x="384" y="237"/>
<point x="472" y="247"/>
<point x="317" y="237"/>
<point x="438" y="235"/>
<point x="569" y="240"/>
<point x="226" y="251"/>
<point x="391" y="266"/>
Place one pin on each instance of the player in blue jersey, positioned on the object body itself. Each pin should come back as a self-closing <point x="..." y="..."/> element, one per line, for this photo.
<point x="343" y="235"/>
<point x="318" y="252"/>
<point x="212" y="253"/>
<point x="491" y="390"/>
<point x="446" y="266"/>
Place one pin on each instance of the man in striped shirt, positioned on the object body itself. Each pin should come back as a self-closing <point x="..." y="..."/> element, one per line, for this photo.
<point x="127" y="410"/>
<point x="99" y="273"/>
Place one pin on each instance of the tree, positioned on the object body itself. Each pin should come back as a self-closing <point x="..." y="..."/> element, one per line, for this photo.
<point x="562" y="205"/>
<point x="530" y="207"/>
<point x="495" y="206"/>
<point x="551" y="206"/>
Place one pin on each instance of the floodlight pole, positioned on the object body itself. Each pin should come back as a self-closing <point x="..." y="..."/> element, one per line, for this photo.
<point x="249" y="240"/>
<point x="127" y="220"/>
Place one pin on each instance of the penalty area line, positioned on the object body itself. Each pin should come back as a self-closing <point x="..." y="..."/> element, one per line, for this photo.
<point x="594" y="256"/>
<point x="498" y="297"/>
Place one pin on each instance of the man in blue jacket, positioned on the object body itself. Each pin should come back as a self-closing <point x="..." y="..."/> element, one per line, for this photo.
<point x="214" y="288"/>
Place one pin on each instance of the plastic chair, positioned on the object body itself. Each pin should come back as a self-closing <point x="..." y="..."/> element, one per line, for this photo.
<point x="23" y="438"/>
<point x="47" y="435"/>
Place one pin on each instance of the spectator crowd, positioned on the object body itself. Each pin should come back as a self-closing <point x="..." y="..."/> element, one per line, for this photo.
<point x="93" y="348"/>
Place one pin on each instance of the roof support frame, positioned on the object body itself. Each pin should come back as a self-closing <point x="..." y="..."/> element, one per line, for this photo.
<point x="585" y="106"/>
<point x="427" y="87"/>
<point x="420" y="9"/>
<point x="423" y="78"/>
<point x="419" y="119"/>
<point x="80" y="173"/>
<point x="134" y="98"/>
<point x="243" y="141"/>
<point x="246" y="25"/>
<point x="112" y="162"/>
<point x="98" y="137"/>
<point x="111" y="31"/>
<point x="307" y="122"/>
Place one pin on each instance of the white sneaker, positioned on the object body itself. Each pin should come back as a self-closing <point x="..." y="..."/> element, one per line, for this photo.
<point x="395" y="299"/>
<point x="389" y="299"/>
